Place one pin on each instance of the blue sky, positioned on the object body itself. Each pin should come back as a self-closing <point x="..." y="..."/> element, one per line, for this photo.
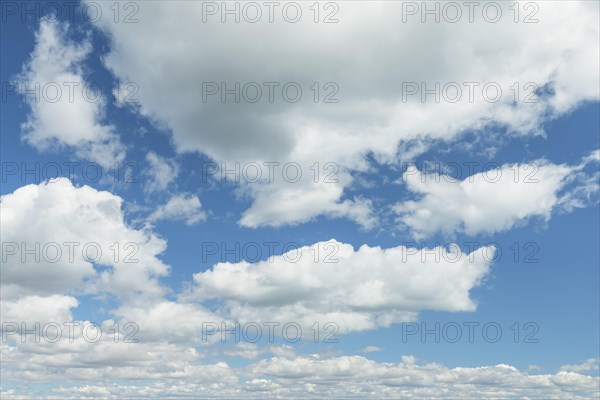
<point x="544" y="276"/>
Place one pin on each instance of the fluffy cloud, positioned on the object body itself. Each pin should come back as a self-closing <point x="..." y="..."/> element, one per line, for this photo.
<point x="125" y="271"/>
<point x="370" y="54"/>
<point x="66" y="111"/>
<point x="110" y="361"/>
<point x="180" y="207"/>
<point x="285" y="203"/>
<point x="78" y="241"/>
<point x="494" y="200"/>
<point x="355" y="289"/>
<point x="38" y="309"/>
<point x="177" y="322"/>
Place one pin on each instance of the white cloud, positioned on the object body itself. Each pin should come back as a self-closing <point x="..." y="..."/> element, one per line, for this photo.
<point x="587" y="184"/>
<point x="366" y="288"/>
<point x="310" y="376"/>
<point x="371" y="349"/>
<point x="248" y="351"/>
<point x="176" y="322"/>
<point x="67" y="112"/>
<point x="38" y="309"/>
<point x="284" y="203"/>
<point x="47" y="217"/>
<point x="180" y="207"/>
<point x="161" y="174"/>
<point x="589" y="365"/>
<point x="43" y="291"/>
<point x="368" y="54"/>
<point x="283" y="350"/>
<point x="341" y="376"/>
<point x="492" y="201"/>
<point x="109" y="361"/>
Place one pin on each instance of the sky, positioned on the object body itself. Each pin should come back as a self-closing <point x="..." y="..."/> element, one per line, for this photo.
<point x="334" y="199"/>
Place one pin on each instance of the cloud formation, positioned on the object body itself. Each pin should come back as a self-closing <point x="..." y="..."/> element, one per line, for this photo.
<point x="59" y="238"/>
<point x="374" y="61"/>
<point x="356" y="289"/>
<point x="66" y="109"/>
<point x="495" y="200"/>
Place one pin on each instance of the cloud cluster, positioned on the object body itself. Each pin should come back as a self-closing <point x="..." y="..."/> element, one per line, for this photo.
<point x="366" y="288"/>
<point x="368" y="57"/>
<point x="370" y="54"/>
<point x="300" y="376"/>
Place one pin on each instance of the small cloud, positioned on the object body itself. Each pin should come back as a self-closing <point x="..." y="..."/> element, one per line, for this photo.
<point x="371" y="349"/>
<point x="181" y="207"/>
<point x="410" y="360"/>
<point x="161" y="173"/>
<point x="591" y="364"/>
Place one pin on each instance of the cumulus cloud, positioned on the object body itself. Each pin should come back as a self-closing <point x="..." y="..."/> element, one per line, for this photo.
<point x="355" y="289"/>
<point x="374" y="114"/>
<point x="45" y="230"/>
<point x="494" y="200"/>
<point x="66" y="110"/>
<point x="286" y="203"/>
<point x="180" y="207"/>
<point x="59" y="238"/>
